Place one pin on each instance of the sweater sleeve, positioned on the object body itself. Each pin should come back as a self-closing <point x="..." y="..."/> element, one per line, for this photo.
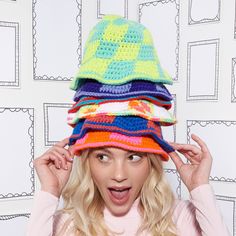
<point x="200" y="216"/>
<point x="207" y="212"/>
<point x="42" y="214"/>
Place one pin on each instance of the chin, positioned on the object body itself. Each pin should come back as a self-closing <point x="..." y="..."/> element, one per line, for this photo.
<point x="120" y="210"/>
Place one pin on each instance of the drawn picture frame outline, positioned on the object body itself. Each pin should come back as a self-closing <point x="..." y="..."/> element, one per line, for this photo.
<point x="203" y="97"/>
<point x="48" y="142"/>
<point x="7" y="217"/>
<point x="100" y="14"/>
<point x="13" y="216"/>
<point x="16" y="27"/>
<point x="154" y="3"/>
<point x="78" y="51"/>
<point x="174" y="171"/>
<point x="230" y="199"/>
<point x="207" y="122"/>
<point x="205" y="20"/>
<point x="30" y="112"/>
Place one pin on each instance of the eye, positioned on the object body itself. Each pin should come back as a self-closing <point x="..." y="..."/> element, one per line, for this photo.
<point x="102" y="157"/>
<point x="135" y="157"/>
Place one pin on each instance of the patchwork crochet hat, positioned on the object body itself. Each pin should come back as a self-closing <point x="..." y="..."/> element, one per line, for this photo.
<point x="117" y="51"/>
<point x="93" y="139"/>
<point x="121" y="124"/>
<point x="140" y="108"/>
<point x="134" y="88"/>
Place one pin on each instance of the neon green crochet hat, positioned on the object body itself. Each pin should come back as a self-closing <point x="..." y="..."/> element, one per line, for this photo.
<point x="118" y="51"/>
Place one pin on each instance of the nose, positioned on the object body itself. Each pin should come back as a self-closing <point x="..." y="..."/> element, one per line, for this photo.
<point x="119" y="172"/>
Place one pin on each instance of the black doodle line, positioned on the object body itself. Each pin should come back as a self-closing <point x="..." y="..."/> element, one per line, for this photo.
<point x="233" y="83"/>
<point x="233" y="200"/>
<point x="175" y="114"/>
<point x="178" y="189"/>
<point x="204" y="123"/>
<point x="203" y="97"/>
<point x="14" y="25"/>
<point x="48" y="142"/>
<point x="204" y="20"/>
<point x="79" y="49"/>
<point x="30" y="112"/>
<point x="13" y="216"/>
<point x="100" y="14"/>
<point x="154" y="3"/>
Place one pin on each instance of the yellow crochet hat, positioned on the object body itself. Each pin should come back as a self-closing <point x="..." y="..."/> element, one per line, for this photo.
<point x="117" y="51"/>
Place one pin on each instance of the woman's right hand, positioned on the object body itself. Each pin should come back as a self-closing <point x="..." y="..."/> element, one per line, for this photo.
<point x="54" y="167"/>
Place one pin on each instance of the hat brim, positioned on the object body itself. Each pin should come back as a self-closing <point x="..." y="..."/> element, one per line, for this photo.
<point x="96" y="139"/>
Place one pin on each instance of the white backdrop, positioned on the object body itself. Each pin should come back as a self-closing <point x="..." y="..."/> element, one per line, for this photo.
<point x="41" y="46"/>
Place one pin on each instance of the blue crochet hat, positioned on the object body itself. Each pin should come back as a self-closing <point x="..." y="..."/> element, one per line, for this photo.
<point x="117" y="51"/>
<point x="120" y="124"/>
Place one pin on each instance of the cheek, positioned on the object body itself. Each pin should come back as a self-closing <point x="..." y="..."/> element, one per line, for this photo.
<point x="99" y="174"/>
<point x="141" y="174"/>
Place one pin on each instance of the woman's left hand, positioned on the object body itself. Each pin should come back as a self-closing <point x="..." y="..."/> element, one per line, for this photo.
<point x="196" y="172"/>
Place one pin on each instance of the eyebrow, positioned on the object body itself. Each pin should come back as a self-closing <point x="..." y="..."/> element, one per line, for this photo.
<point x="108" y="151"/>
<point x="101" y="150"/>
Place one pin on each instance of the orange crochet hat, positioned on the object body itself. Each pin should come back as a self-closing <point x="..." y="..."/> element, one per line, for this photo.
<point x="95" y="139"/>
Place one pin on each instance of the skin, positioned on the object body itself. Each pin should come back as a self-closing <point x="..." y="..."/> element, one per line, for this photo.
<point x="54" y="167"/>
<point x="114" y="167"/>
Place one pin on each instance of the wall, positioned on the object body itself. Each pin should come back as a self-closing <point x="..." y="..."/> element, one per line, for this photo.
<point x="41" y="45"/>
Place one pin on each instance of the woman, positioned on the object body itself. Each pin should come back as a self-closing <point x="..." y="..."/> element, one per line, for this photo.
<point x="112" y="190"/>
<point x="116" y="184"/>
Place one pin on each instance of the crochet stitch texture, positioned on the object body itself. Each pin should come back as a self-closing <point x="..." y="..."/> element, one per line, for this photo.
<point x="133" y="88"/>
<point x="140" y="108"/>
<point x="93" y="139"/>
<point x="121" y="124"/>
<point x="118" y="51"/>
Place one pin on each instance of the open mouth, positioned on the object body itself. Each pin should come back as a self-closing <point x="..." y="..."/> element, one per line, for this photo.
<point x="119" y="195"/>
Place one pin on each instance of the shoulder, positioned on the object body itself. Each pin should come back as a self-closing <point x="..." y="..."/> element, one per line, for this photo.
<point x="60" y="219"/>
<point x="182" y="210"/>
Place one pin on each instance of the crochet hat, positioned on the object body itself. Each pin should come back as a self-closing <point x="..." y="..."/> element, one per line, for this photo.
<point x="95" y="139"/>
<point x="121" y="124"/>
<point x="140" y="108"/>
<point x="120" y="50"/>
<point x="136" y="87"/>
<point x="93" y="101"/>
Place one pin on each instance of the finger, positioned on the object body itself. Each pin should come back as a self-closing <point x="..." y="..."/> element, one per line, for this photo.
<point x="66" y="153"/>
<point x="192" y="160"/>
<point x="61" y="158"/>
<point x="176" y="159"/>
<point x="63" y="142"/>
<point x="186" y="147"/>
<point x="200" y="142"/>
<point x="54" y="159"/>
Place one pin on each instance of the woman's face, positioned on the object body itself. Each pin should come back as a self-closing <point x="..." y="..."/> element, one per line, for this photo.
<point x="119" y="175"/>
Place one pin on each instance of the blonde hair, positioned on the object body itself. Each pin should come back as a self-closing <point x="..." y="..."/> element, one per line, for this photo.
<point x="84" y="204"/>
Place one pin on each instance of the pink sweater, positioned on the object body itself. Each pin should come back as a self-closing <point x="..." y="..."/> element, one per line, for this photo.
<point x="198" y="216"/>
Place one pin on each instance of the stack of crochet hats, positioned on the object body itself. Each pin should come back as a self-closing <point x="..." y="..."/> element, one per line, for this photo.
<point x="120" y="99"/>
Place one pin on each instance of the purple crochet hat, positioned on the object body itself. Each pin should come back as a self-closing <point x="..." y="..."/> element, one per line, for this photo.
<point x="134" y="88"/>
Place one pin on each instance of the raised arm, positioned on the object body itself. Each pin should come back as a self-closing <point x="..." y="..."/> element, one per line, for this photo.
<point x="201" y="215"/>
<point x="53" y="169"/>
